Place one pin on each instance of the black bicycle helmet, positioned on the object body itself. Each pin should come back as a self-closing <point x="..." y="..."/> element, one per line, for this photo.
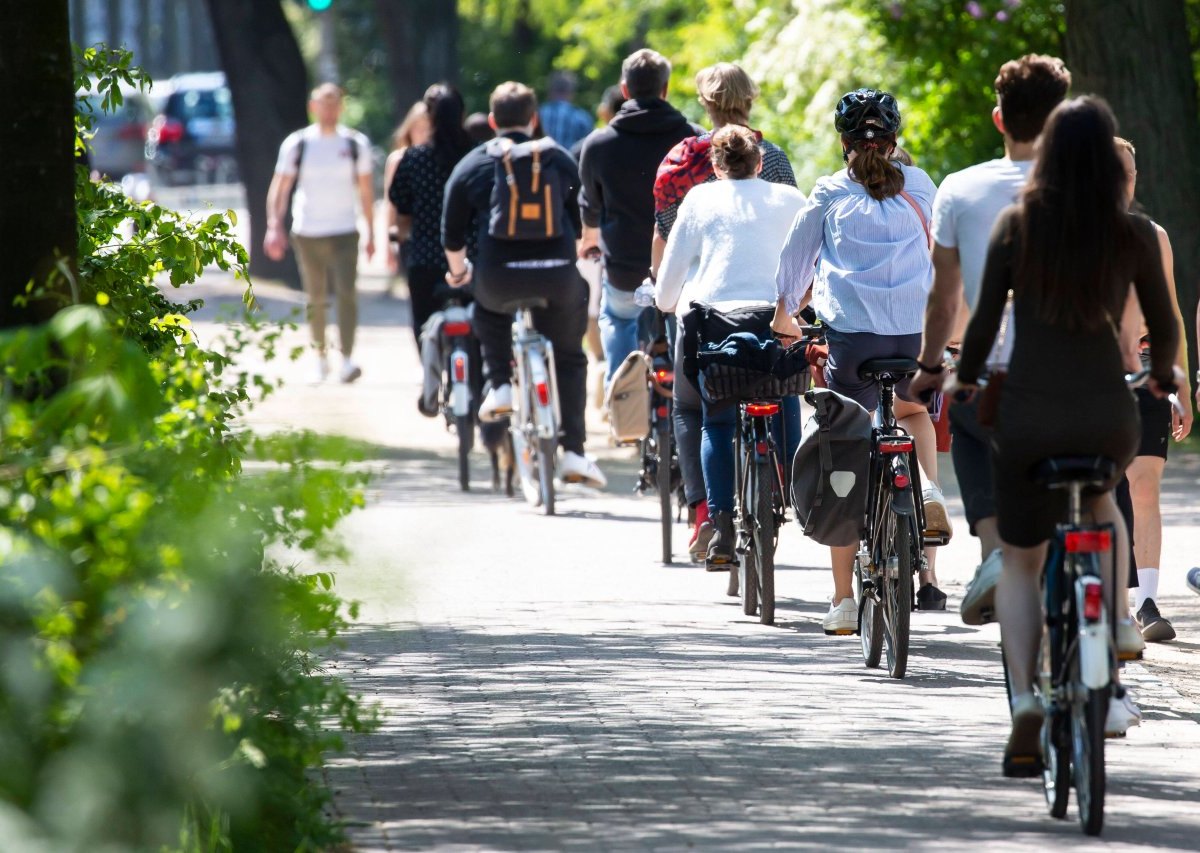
<point x="865" y="112"/>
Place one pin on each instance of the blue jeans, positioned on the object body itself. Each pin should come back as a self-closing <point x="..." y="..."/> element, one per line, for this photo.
<point x="716" y="448"/>
<point x="618" y="323"/>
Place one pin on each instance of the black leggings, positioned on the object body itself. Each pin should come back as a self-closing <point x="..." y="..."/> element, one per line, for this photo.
<point x="427" y="290"/>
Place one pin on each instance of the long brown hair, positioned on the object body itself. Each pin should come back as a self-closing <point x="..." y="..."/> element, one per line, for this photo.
<point x="1074" y="229"/>
<point x="873" y="167"/>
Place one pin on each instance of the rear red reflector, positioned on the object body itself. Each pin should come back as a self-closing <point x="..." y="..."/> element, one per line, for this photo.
<point x="543" y="393"/>
<point x="759" y="410"/>
<point x="901" y="480"/>
<point x="896" y="446"/>
<point x="1088" y="541"/>
<point x="456" y="329"/>
<point x="460" y="368"/>
<point x="1093" y="601"/>
<point x="662" y="411"/>
<point x="662" y="377"/>
<point x="760" y="447"/>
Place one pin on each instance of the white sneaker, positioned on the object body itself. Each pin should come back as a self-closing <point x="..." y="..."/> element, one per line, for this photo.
<point x="497" y="404"/>
<point x="1123" y="715"/>
<point x="581" y="469"/>
<point x="979" y="604"/>
<point x="842" y="617"/>
<point x="937" y="517"/>
<point x="1130" y="644"/>
<point x="350" y="371"/>
<point x="321" y="371"/>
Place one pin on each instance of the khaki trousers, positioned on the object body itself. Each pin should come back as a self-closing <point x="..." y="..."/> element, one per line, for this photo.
<point x="322" y="259"/>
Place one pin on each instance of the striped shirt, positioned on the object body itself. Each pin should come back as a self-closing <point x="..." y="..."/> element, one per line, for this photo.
<point x="867" y="261"/>
<point x="565" y="123"/>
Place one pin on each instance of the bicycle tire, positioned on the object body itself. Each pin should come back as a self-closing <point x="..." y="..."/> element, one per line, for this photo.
<point x="749" y="579"/>
<point x="897" y="595"/>
<point x="763" y="532"/>
<point x="870" y="622"/>
<point x="546" y="448"/>
<point x="663" y="442"/>
<point x="464" y="425"/>
<point x="1087" y="757"/>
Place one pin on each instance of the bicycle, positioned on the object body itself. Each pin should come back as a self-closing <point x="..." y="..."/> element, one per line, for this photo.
<point x="659" y="456"/>
<point x="460" y="390"/>
<point x="891" y="550"/>
<point x="536" y="416"/>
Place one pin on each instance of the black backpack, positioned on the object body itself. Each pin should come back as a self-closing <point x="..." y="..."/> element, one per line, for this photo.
<point x="528" y="197"/>
<point x="831" y="469"/>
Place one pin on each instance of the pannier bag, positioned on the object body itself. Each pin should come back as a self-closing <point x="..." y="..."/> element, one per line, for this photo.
<point x="628" y="400"/>
<point x="831" y="469"/>
<point x="527" y="199"/>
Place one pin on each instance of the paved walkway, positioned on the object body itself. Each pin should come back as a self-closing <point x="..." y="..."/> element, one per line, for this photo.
<point x="547" y="684"/>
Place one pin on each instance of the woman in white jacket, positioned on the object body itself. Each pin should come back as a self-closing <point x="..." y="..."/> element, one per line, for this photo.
<point x="723" y="251"/>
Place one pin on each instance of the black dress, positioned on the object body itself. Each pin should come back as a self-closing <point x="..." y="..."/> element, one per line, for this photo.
<point x="1065" y="392"/>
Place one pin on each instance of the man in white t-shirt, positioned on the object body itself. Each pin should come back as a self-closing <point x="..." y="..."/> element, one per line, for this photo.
<point x="967" y="206"/>
<point x="330" y="168"/>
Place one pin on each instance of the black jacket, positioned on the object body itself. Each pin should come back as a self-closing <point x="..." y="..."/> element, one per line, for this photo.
<point x="617" y="168"/>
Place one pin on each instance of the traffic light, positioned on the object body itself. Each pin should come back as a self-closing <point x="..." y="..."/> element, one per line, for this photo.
<point x="319" y="5"/>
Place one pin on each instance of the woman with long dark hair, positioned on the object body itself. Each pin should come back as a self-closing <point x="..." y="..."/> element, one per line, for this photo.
<point x="416" y="192"/>
<point x="1067" y="254"/>
<point x="860" y="250"/>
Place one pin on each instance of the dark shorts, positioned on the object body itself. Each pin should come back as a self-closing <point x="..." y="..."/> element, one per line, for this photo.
<point x="1156" y="424"/>
<point x="848" y="350"/>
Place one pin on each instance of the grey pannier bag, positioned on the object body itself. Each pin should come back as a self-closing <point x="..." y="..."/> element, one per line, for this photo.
<point x="831" y="469"/>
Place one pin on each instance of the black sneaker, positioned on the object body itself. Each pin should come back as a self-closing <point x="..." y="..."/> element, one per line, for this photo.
<point x="929" y="597"/>
<point x="1155" y="628"/>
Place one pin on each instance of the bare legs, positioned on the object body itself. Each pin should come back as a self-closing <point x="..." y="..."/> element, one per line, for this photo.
<point x="914" y="419"/>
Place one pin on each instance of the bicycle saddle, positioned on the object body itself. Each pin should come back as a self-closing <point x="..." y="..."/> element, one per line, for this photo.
<point x="1063" y="470"/>
<point x="533" y="303"/>
<point x="895" y="368"/>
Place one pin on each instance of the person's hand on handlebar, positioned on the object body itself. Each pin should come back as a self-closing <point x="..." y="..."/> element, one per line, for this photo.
<point x="461" y="278"/>
<point x="788" y="330"/>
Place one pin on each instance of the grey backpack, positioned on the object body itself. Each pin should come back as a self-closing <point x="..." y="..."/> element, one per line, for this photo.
<point x="831" y="469"/>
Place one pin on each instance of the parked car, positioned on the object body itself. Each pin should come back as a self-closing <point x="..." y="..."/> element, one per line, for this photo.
<point x="118" y="147"/>
<point x="192" y="139"/>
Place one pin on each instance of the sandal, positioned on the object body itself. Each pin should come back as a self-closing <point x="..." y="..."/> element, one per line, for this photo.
<point x="929" y="597"/>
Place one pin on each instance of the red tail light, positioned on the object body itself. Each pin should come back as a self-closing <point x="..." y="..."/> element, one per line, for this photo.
<point x="131" y="132"/>
<point x="904" y="445"/>
<point x="1093" y="601"/>
<point x="759" y="410"/>
<point x="662" y="377"/>
<point x="460" y="368"/>
<point x="1088" y="541"/>
<point x="456" y="329"/>
<point x="760" y="447"/>
<point x="662" y="411"/>
<point x="543" y="393"/>
<point x="169" y="131"/>
<point x="901" y="480"/>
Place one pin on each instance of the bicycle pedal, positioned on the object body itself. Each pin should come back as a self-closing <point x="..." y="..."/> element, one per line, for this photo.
<point x="1125" y="657"/>
<point x="842" y="632"/>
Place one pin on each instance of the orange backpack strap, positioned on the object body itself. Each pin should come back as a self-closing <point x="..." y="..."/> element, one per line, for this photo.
<point x="511" y="179"/>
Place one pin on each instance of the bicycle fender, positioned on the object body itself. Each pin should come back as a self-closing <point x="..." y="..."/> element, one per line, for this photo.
<point x="902" y="502"/>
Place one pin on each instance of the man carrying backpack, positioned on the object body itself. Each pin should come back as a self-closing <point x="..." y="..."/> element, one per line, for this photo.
<point x="329" y="166"/>
<point x="617" y="167"/>
<point x="523" y="193"/>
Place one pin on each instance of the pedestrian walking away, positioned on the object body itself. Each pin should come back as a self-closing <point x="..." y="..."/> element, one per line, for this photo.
<point x="860" y="250"/>
<point x="523" y="258"/>
<point x="329" y="166"/>
<point x="560" y="119"/>
<point x="617" y="167"/>
<point x="964" y="212"/>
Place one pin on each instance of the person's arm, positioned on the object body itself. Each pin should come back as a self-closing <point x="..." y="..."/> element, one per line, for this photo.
<point x="1181" y="424"/>
<point x="658" y="247"/>
<point x="941" y="317"/>
<point x="993" y="296"/>
<point x="389" y="172"/>
<point x="1155" y="300"/>
<point x="680" y="253"/>
<point x="571" y="171"/>
<point x="366" y="194"/>
<point x="591" y="201"/>
<point x="457" y="214"/>
<point x="797" y="261"/>
<point x="275" y="243"/>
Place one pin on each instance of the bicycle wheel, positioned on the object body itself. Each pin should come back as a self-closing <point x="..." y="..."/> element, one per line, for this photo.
<point x="1088" y="714"/>
<point x="763" y="532"/>
<point x="663" y="441"/>
<point x="870" y="616"/>
<point x="464" y="425"/>
<point x="897" y="593"/>
<point x="545" y="466"/>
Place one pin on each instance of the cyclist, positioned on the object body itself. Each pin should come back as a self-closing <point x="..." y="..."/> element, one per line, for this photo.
<point x="330" y="167"/>
<point x="722" y="252"/>
<point x="1159" y="423"/>
<point x="726" y="92"/>
<point x="617" y="166"/>
<point x="1067" y="252"/>
<point x="861" y="245"/>
<point x="511" y="270"/>
<point x="416" y="194"/>
<point x="967" y="204"/>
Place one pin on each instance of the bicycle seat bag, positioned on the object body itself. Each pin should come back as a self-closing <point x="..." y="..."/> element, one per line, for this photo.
<point x="628" y="400"/>
<point x="527" y="198"/>
<point x="831" y="469"/>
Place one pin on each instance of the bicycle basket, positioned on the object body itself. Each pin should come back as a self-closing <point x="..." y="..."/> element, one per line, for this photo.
<point x="724" y="383"/>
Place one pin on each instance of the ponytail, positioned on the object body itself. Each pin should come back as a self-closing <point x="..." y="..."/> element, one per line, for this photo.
<point x="872" y="167"/>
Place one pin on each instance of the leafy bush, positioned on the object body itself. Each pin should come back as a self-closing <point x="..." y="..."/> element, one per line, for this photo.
<point x="159" y="678"/>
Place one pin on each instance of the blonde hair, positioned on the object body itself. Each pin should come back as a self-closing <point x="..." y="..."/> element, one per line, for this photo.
<point x="402" y="137"/>
<point x="327" y="89"/>
<point x="1125" y="145"/>
<point x="726" y="92"/>
<point x="735" y="152"/>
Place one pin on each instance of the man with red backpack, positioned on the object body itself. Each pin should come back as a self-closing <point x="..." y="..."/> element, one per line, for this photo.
<point x="522" y="193"/>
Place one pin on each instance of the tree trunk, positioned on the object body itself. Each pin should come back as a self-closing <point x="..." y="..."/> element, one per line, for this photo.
<point x="422" y="44"/>
<point x="269" y="84"/>
<point x="37" y="182"/>
<point x="1137" y="56"/>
